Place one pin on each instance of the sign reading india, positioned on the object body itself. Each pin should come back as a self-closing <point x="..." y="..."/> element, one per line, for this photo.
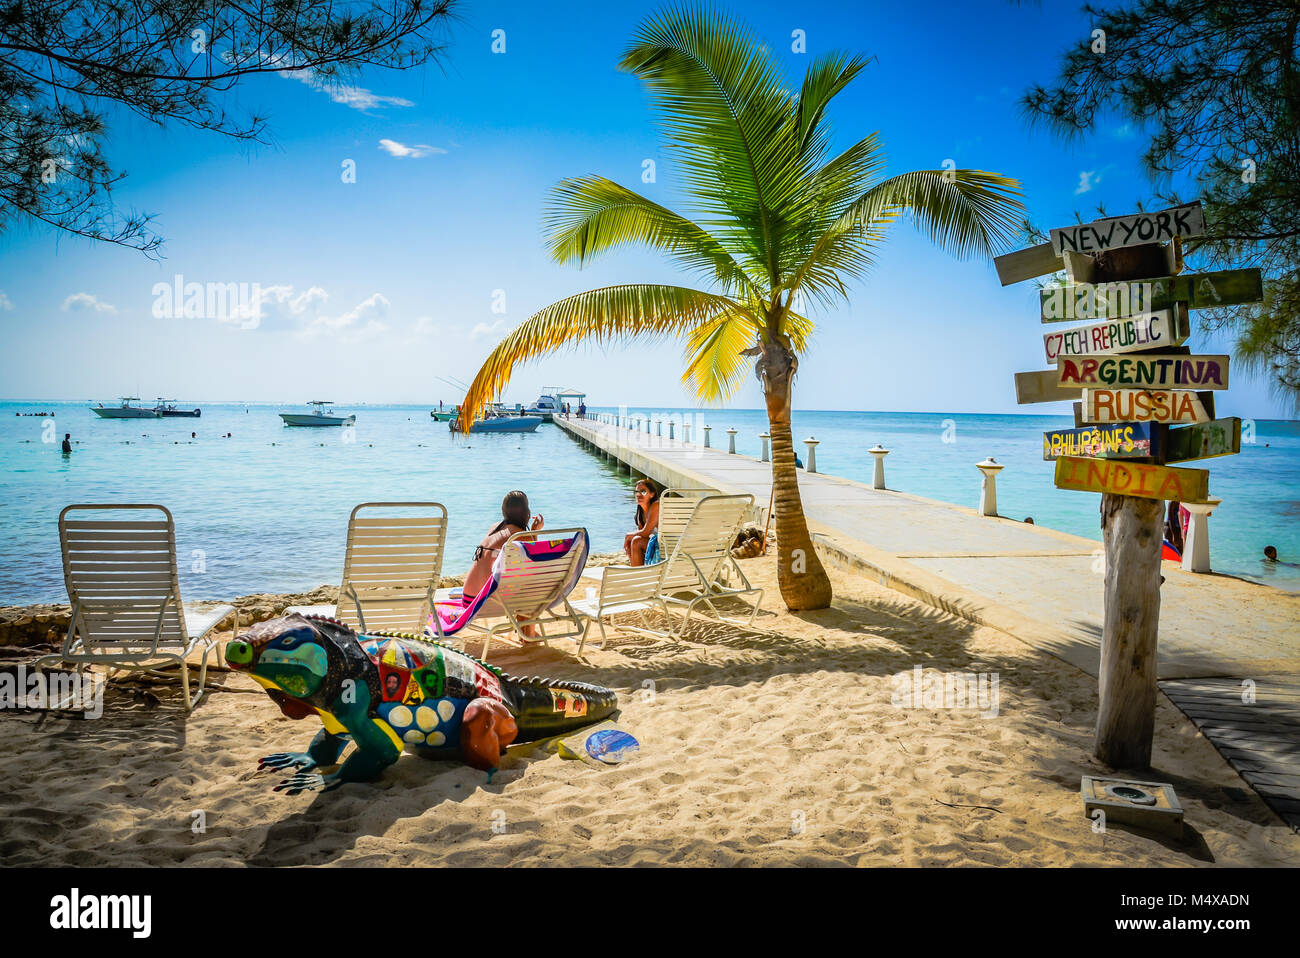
<point x="1124" y="441"/>
<point x="1144" y="480"/>
<point x="1168" y="327"/>
<point x="1133" y="230"/>
<point x="1143" y="405"/>
<point x="1158" y="371"/>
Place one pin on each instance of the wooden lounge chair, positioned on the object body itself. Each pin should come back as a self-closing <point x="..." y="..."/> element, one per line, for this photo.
<point x="126" y="600"/>
<point x="391" y="567"/>
<point x="530" y="583"/>
<point x="699" y="567"/>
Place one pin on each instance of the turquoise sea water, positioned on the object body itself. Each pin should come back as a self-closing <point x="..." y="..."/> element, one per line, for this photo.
<point x="266" y="510"/>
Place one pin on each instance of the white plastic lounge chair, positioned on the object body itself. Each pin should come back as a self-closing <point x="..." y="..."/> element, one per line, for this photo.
<point x="126" y="600"/>
<point x="675" y="508"/>
<point x="530" y="583"/>
<point x="391" y="567"/>
<point x="622" y="589"/>
<point x="699" y="567"/>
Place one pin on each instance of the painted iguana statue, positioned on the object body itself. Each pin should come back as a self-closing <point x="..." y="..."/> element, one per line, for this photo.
<point x="389" y="691"/>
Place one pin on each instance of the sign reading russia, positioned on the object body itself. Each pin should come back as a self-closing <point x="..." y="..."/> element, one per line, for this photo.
<point x="1135" y="372"/>
<point x="1132" y="479"/>
<point x="1168" y="327"/>
<point x="1143" y="405"/>
<point x="1126" y="441"/>
<point x="1133" y="230"/>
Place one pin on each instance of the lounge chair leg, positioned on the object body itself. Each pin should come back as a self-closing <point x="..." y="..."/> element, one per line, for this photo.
<point x="185" y="685"/>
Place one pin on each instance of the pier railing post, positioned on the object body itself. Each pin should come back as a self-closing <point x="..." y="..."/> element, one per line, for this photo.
<point x="707" y="429"/>
<point x="812" y="445"/>
<point x="989" y="470"/>
<point x="686" y="431"/>
<point x="731" y="440"/>
<point x="765" y="437"/>
<point x="670" y="429"/>
<point x="1196" y="550"/>
<point x="878" y="473"/>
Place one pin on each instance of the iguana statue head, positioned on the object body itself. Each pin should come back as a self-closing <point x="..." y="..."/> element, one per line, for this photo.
<point x="290" y="657"/>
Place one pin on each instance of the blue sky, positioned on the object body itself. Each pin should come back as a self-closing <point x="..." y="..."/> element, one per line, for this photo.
<point x="375" y="288"/>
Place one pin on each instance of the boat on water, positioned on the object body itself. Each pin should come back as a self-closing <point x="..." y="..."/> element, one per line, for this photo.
<point x="546" y="407"/>
<point x="319" y="416"/>
<point x="167" y="409"/>
<point x="494" y="423"/>
<point x="125" y="411"/>
<point x="446" y="415"/>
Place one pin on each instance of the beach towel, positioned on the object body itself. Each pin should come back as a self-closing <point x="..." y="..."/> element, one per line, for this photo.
<point x="456" y="614"/>
<point x="652" y="556"/>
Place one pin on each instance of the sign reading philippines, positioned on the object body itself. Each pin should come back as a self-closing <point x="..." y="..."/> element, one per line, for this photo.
<point x="1124" y="441"/>
<point x="1166" y="327"/>
<point x="1159" y="371"/>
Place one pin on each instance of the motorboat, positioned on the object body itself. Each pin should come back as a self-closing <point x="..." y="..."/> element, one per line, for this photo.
<point x="167" y="409"/>
<point x="125" y="411"/>
<point x="446" y="415"/>
<point x="546" y="407"/>
<point x="319" y="416"/>
<point x="494" y="423"/>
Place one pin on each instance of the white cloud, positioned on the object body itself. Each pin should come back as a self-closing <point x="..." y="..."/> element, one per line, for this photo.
<point x="413" y="152"/>
<point x="276" y="304"/>
<point x="5" y="301"/>
<point x="1087" y="180"/>
<point x="483" y="329"/>
<point x="362" y="321"/>
<point x="358" y="98"/>
<point x="425" y="326"/>
<point x="86" y="301"/>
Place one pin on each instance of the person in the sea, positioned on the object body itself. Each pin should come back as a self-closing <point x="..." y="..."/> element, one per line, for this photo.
<point x="1270" y="553"/>
<point x="67" y="443"/>
<point x="642" y="545"/>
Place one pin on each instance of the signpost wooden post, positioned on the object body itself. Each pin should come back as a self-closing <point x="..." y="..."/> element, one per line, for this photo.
<point x="1135" y="378"/>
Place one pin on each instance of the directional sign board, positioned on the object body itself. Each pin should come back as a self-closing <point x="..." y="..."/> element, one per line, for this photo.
<point x="1133" y="230"/>
<point x="1168" y="327"/>
<point x="1222" y="437"/>
<point x="1158" y="371"/>
<point x="1075" y="302"/>
<point x="1140" y="479"/>
<point x="1165" y="406"/>
<point x="1043" y="386"/>
<point x="1026" y="264"/>
<point x="1123" y="441"/>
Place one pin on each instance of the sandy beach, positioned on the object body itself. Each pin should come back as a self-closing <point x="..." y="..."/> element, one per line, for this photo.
<point x="774" y="747"/>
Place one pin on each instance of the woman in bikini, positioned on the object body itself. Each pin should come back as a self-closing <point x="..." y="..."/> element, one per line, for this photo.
<point x="515" y="517"/>
<point x="636" y="544"/>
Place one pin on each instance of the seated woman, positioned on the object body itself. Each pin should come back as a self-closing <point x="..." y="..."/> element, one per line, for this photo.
<point x="641" y="546"/>
<point x="515" y="517"/>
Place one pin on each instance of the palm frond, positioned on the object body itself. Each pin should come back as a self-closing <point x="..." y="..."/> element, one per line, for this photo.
<point x="590" y="215"/>
<point x="602" y="315"/>
<point x="967" y="212"/>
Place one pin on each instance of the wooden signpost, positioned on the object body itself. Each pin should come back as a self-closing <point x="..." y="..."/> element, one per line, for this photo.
<point x="1127" y="334"/>
<point x="1134" y="378"/>
<point x="1075" y="302"/>
<point x="1123" y="441"/>
<point x="1143" y="405"/>
<point x="1222" y="437"/>
<point x="1143" y="370"/>
<point x="1137" y="229"/>
<point x="1121" y="478"/>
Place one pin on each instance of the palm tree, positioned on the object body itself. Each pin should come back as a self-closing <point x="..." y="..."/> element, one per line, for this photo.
<point x="776" y="218"/>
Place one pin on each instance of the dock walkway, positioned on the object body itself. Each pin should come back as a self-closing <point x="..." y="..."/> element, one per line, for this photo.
<point x="1042" y="586"/>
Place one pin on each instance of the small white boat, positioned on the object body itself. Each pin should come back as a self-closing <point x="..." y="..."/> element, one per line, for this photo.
<point x="167" y="408"/>
<point x="125" y="411"/>
<point x="319" y="416"/>
<point x="546" y="407"/>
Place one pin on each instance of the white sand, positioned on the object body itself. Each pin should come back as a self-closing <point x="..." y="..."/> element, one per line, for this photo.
<point x="745" y="738"/>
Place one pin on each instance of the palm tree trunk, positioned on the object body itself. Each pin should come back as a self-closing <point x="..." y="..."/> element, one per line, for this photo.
<point x="803" y="581"/>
